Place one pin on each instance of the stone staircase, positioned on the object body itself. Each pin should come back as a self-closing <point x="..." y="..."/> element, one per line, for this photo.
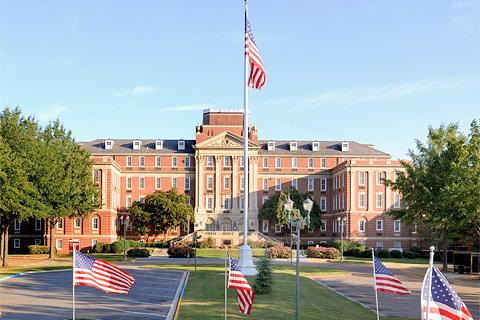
<point x="235" y="238"/>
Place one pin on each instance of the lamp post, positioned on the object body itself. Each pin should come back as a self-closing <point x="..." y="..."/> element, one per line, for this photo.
<point x="125" y="220"/>
<point x="341" y="221"/>
<point x="289" y="207"/>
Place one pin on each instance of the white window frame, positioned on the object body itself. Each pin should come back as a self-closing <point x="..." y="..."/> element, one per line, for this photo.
<point x="397" y="223"/>
<point x="323" y="163"/>
<point x="381" y="225"/>
<point x="242" y="183"/>
<point x="141" y="199"/>
<point x="343" y="200"/>
<point x="265" y="184"/>
<point x="227" y="163"/>
<point x="137" y="144"/>
<point x="59" y="244"/>
<point x="16" y="224"/>
<point x="242" y="162"/>
<point x="278" y="228"/>
<point x="38" y="242"/>
<point x="310" y="184"/>
<point x="315" y="146"/>
<point x="209" y="202"/>
<point x="361" y="178"/>
<point x="361" y="199"/>
<point x="241" y="203"/>
<point x="174" y="162"/>
<point x="128" y="183"/>
<point x="323" y="204"/>
<point x="187" y="184"/>
<point x="278" y="184"/>
<point x="264" y="200"/>
<point x="323" y="184"/>
<point x="227" y="184"/>
<point x="108" y="144"/>
<point x="323" y="225"/>
<point x="396" y="200"/>
<point x="362" y="225"/>
<point x="210" y="161"/>
<point x="311" y="163"/>
<point x="158" y="144"/>
<point x="379" y="244"/>
<point x="187" y="161"/>
<point x="278" y="162"/>
<point x="94" y="242"/>
<point x="295" y="183"/>
<point x="38" y="224"/>
<point x="158" y="183"/>
<point x="265" y="162"/>
<point x="141" y="161"/>
<point x="59" y="224"/>
<point x="226" y="203"/>
<point x="271" y="146"/>
<point x="379" y="200"/>
<point x="293" y="146"/>
<point x="378" y="178"/>
<point x="16" y="243"/>
<point x="141" y="182"/>
<point x="294" y="163"/>
<point x="265" y="226"/>
<point x="158" y="161"/>
<point x="397" y="244"/>
<point x="75" y="225"/>
<point x="175" y="182"/>
<point x="181" y="145"/>
<point x="128" y="201"/>
<point x="209" y="182"/>
<point x="128" y="161"/>
<point x="93" y="223"/>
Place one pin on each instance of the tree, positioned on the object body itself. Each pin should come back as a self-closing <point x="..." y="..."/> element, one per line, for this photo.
<point x="263" y="280"/>
<point x="440" y="185"/>
<point x="161" y="211"/>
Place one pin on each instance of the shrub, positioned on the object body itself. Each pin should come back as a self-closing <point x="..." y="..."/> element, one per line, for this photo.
<point x="263" y="281"/>
<point x="38" y="249"/>
<point x="117" y="246"/>
<point x="365" y="254"/>
<point x="323" y="253"/>
<point x="383" y="253"/>
<point x="397" y="254"/>
<point x="107" y="248"/>
<point x="138" y="252"/>
<point x="180" y="251"/>
<point x="411" y="254"/>
<point x="98" y="247"/>
<point x="210" y="242"/>
<point x="279" y="252"/>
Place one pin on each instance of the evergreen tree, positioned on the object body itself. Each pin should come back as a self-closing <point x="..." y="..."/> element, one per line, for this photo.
<point x="263" y="281"/>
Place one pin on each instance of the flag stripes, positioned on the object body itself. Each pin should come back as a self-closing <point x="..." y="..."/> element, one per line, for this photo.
<point x="257" y="72"/>
<point x="385" y="281"/>
<point x="236" y="280"/>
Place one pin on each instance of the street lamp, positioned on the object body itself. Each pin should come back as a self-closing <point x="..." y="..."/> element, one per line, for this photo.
<point x="125" y="219"/>
<point x="289" y="207"/>
<point x="341" y="221"/>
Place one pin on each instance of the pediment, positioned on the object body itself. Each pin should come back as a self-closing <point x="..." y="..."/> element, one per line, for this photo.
<point x="224" y="140"/>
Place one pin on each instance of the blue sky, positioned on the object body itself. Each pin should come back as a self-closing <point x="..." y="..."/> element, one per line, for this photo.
<point x="376" y="72"/>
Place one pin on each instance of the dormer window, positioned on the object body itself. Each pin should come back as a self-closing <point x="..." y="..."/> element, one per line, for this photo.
<point x="293" y="146"/>
<point x="158" y="145"/>
<point x="181" y="145"/>
<point x="137" y="144"/>
<point x="108" y="144"/>
<point x="316" y="146"/>
<point x="271" y="146"/>
<point x="345" y="146"/>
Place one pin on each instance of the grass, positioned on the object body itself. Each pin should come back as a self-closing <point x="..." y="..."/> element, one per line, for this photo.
<point x="392" y="260"/>
<point x="220" y="253"/>
<point x="204" y="297"/>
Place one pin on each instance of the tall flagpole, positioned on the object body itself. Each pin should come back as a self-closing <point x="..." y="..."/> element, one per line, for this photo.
<point x="245" y="261"/>
<point x="226" y="297"/>
<point x="73" y="280"/>
<point x="375" y="282"/>
<point x="430" y="270"/>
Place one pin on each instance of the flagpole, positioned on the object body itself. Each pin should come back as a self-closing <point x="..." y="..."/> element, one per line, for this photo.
<point x="226" y="253"/>
<point x="73" y="281"/>
<point x="375" y="282"/>
<point x="430" y="270"/>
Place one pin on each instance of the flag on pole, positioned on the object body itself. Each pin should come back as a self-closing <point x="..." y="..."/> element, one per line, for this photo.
<point x="444" y="304"/>
<point x="257" y="72"/>
<point x="386" y="281"/>
<point x="100" y="274"/>
<point x="236" y="280"/>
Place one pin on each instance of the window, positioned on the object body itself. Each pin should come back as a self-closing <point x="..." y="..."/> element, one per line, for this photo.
<point x="343" y="201"/>
<point x="137" y="144"/>
<point x="310" y="163"/>
<point x="311" y="184"/>
<point x="187" y="162"/>
<point x="361" y="199"/>
<point x="209" y="201"/>
<point x="181" y="145"/>
<point x="209" y="161"/>
<point x="278" y="162"/>
<point x="226" y="162"/>
<point x="361" y="225"/>
<point x="16" y="224"/>
<point x="315" y="146"/>
<point x="141" y="182"/>
<point x="265" y="184"/>
<point x="187" y="184"/>
<point x="264" y="200"/>
<point x="242" y="162"/>
<point x="158" y="145"/>
<point x="379" y="245"/>
<point x="94" y="242"/>
<point x="128" y="203"/>
<point x="226" y="203"/>
<point x="16" y="243"/>
<point x="278" y="228"/>
<point x="396" y="226"/>
<point x="361" y="178"/>
<point x="174" y="162"/>
<point x="129" y="161"/>
<point x="209" y="182"/>
<point x="323" y="184"/>
<point x="265" y="162"/>
<point x="379" y="176"/>
<point x="396" y="201"/>
<point x="265" y="226"/>
<point x="278" y="184"/>
<point x="77" y="223"/>
<point x="379" y="225"/>
<point x="226" y="182"/>
<point x="334" y="183"/>
<point x="379" y="199"/>
<point x="174" y="182"/>
<point x="38" y="224"/>
<point x="323" y="225"/>
<point x="323" y="163"/>
<point x="323" y="204"/>
<point x="242" y="183"/>
<point x="141" y="199"/>
<point x="345" y="146"/>
<point x="343" y="179"/>
<point x="414" y="228"/>
<point x="241" y="201"/>
<point x="271" y="146"/>
<point x="158" y="161"/>
<point x="158" y="183"/>
<point x="95" y="223"/>
<point x="60" y="224"/>
<point x="108" y="144"/>
<point x="293" y="146"/>
<point x="141" y="161"/>
<point x="397" y="244"/>
<point x="294" y="163"/>
<point x="38" y="242"/>
<point x="295" y="183"/>
<point x="129" y="183"/>
<point x="59" y="244"/>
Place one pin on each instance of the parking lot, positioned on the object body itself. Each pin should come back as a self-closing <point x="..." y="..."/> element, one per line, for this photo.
<point x="48" y="295"/>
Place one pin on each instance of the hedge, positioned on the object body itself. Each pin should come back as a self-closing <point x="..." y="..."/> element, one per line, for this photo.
<point x="323" y="253"/>
<point x="180" y="251"/>
<point x="138" y="252"/>
<point x="279" y="252"/>
<point x="39" y="249"/>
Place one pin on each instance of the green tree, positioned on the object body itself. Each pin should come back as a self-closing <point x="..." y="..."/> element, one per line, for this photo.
<point x="263" y="280"/>
<point x="440" y="185"/>
<point x="161" y="211"/>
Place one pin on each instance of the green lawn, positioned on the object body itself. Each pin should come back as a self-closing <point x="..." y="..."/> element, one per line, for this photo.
<point x="394" y="260"/>
<point x="220" y="253"/>
<point x="204" y="297"/>
<point x="4" y="272"/>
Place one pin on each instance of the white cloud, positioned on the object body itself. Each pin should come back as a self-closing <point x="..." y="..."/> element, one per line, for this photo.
<point x="137" y="91"/>
<point x="50" y="113"/>
<point x="188" y="107"/>
<point x="465" y="17"/>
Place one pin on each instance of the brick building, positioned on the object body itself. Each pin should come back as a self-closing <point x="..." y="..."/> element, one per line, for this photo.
<point x="344" y="177"/>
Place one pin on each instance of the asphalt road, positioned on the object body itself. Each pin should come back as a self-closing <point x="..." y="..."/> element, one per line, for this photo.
<point x="48" y="295"/>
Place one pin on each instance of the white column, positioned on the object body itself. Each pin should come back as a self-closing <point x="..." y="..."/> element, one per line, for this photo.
<point x="218" y="177"/>
<point x="234" y="184"/>
<point x="388" y="192"/>
<point x="199" y="182"/>
<point x="370" y="198"/>
<point x="254" y="188"/>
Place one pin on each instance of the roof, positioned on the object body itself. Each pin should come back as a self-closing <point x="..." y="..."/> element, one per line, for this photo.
<point x="125" y="146"/>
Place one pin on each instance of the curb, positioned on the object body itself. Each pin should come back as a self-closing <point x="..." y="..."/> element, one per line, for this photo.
<point x="173" y="313"/>
<point x="30" y="272"/>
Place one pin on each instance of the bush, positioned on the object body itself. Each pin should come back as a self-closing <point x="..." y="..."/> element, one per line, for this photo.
<point x="39" y="249"/>
<point x="279" y="252"/>
<point x="98" y="248"/>
<point x="383" y="253"/>
<point x="107" y="248"/>
<point x="117" y="246"/>
<point x="138" y="252"/>
<point x="397" y="254"/>
<point x="263" y="281"/>
<point x="365" y="254"/>
<point x="409" y="254"/>
<point x="323" y="253"/>
<point x="180" y="251"/>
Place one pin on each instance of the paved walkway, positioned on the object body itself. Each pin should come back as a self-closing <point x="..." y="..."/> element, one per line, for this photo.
<point x="48" y="295"/>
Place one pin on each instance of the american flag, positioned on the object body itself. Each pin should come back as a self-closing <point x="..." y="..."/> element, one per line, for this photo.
<point x="236" y="280"/>
<point x="257" y="72"/>
<point x="386" y="281"/>
<point x="445" y="304"/>
<point x="100" y="274"/>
